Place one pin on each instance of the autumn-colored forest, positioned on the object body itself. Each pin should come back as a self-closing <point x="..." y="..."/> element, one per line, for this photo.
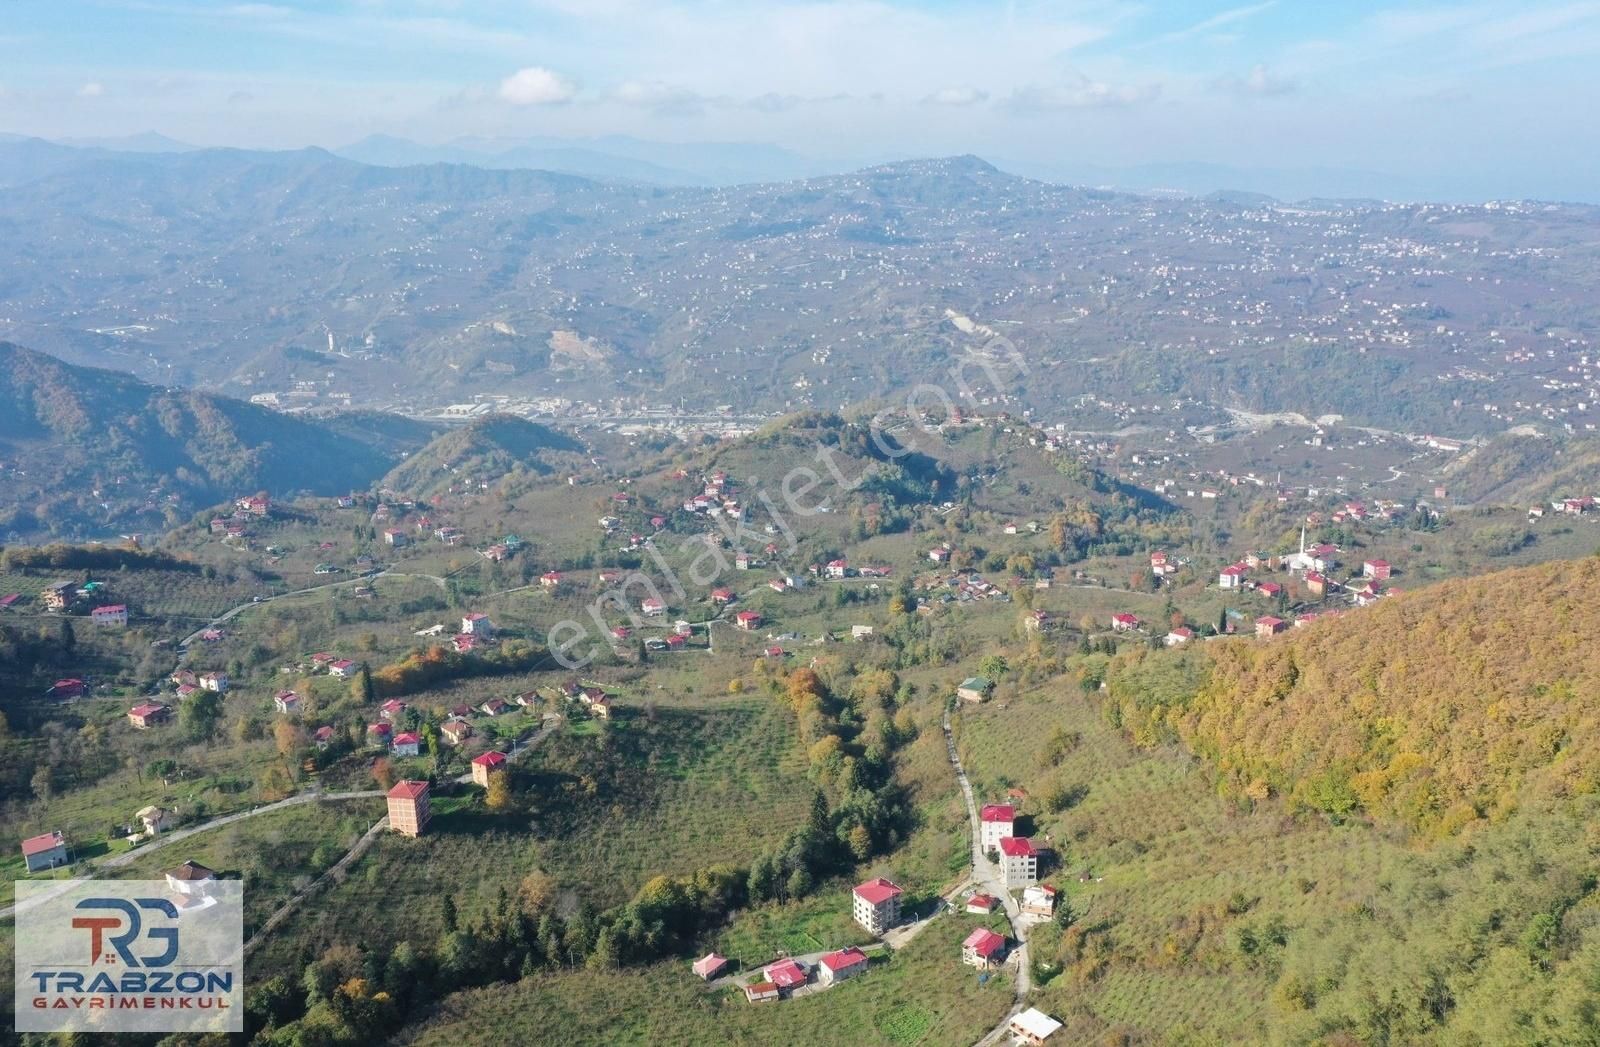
<point x="1433" y="709"/>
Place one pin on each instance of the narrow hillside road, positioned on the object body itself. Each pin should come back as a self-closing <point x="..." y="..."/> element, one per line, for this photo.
<point x="987" y="876"/>
<point x="117" y="861"/>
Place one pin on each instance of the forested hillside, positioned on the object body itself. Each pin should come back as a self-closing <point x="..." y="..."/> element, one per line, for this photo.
<point x="1433" y="710"/>
<point x="84" y="448"/>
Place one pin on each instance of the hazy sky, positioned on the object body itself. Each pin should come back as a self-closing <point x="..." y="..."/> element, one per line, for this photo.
<point x="1505" y="91"/>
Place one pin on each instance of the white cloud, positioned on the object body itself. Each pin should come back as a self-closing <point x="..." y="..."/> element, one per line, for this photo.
<point x="957" y="96"/>
<point x="662" y="97"/>
<point x="1260" y="81"/>
<point x="92" y="89"/>
<point x="536" y="85"/>
<point x="1080" y="93"/>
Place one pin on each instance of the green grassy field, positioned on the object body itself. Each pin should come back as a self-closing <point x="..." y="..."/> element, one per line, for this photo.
<point x="922" y="995"/>
<point x="718" y="784"/>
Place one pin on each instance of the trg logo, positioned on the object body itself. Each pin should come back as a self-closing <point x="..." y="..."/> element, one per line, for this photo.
<point x="129" y="923"/>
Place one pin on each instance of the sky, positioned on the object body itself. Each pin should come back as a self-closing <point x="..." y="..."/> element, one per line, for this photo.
<point x="1498" y="95"/>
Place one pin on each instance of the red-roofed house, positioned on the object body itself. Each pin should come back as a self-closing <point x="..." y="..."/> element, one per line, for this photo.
<point x="1179" y="636"/>
<point x="550" y="579"/>
<point x="45" y="851"/>
<point x="408" y="808"/>
<point x="995" y="823"/>
<point x="1377" y="570"/>
<point x="72" y="688"/>
<point x="477" y="624"/>
<point x="148" y="714"/>
<point x="286" y="702"/>
<point x="392" y="710"/>
<point x="722" y="596"/>
<point x="710" y="965"/>
<point x="1019" y="861"/>
<point x="112" y="614"/>
<point x="841" y="966"/>
<point x="483" y="766"/>
<point x="1124" y="622"/>
<point x="456" y="731"/>
<point x="652" y="607"/>
<point x="1268" y="626"/>
<point x="380" y="731"/>
<point x="761" y="992"/>
<point x="838" y="568"/>
<point x="1316" y="584"/>
<point x="748" y="620"/>
<point x="406" y="743"/>
<point x="983" y="949"/>
<point x="877" y="905"/>
<point x="1232" y="576"/>
<point x="982" y="904"/>
<point x="787" y="975"/>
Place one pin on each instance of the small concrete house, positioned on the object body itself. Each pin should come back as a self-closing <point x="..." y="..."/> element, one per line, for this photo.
<point x="45" y="851"/>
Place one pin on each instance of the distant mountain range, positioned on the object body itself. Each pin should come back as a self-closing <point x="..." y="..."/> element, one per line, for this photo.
<point x="85" y="452"/>
<point x="308" y="274"/>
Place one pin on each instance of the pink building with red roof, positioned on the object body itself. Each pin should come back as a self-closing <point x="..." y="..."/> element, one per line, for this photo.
<point x="486" y="764"/>
<point x="409" y="812"/>
<point x="876" y="904"/>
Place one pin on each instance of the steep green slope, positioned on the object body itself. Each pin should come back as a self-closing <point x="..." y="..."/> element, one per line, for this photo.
<point x="89" y="449"/>
<point x="481" y="452"/>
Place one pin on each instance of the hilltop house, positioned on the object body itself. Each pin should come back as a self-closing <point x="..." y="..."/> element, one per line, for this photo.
<point x="148" y="714"/>
<point x="550" y="579"/>
<point x="111" y="614"/>
<point x="983" y="949"/>
<point x="485" y="765"/>
<point x="974" y="689"/>
<point x="838" y="568"/>
<point x="46" y="851"/>
<point x="710" y="965"/>
<point x="286" y="702"/>
<point x="392" y="710"/>
<point x="1019" y="861"/>
<point x="876" y="905"/>
<point x="59" y="596"/>
<point x="408" y="808"/>
<point x="982" y="904"/>
<point x="69" y="688"/>
<point x="761" y="992"/>
<point x="940" y="555"/>
<point x="406" y="743"/>
<point x="1377" y="570"/>
<point x="1039" y="900"/>
<point x="787" y="975"/>
<point x="995" y="823"/>
<point x="841" y="965"/>
<point x="1124" y="623"/>
<point x="156" y="820"/>
<point x="1232" y="576"/>
<point x="653" y="607"/>
<point x="1033" y="1027"/>
<point x="1179" y="636"/>
<point x="456" y="731"/>
<point x="477" y="624"/>
<point x="395" y="538"/>
<point x="213" y="681"/>
<point x="1268" y="626"/>
<point x="748" y="620"/>
<point x="191" y="880"/>
<point x="722" y="595"/>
